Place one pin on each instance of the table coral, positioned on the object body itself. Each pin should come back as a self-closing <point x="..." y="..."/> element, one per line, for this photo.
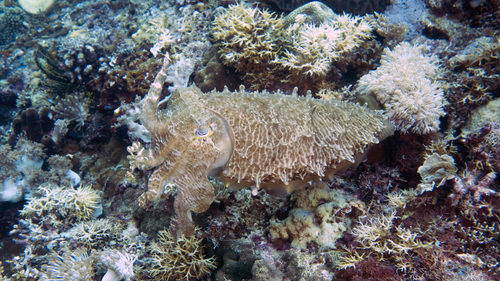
<point x="272" y="141"/>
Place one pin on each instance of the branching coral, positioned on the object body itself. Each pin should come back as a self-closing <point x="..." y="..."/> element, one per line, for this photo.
<point x="314" y="48"/>
<point x="308" y="43"/>
<point x="381" y="238"/>
<point x="407" y="84"/>
<point x="246" y="40"/>
<point x="179" y="261"/>
<point x="78" y="204"/>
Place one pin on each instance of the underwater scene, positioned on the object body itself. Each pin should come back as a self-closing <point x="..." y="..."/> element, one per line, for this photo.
<point x="280" y="140"/>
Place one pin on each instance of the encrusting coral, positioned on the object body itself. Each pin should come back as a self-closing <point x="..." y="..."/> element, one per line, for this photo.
<point x="273" y="141"/>
<point x="407" y="83"/>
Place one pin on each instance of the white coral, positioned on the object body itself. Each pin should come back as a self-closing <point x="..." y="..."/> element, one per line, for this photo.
<point x="313" y="48"/>
<point x="407" y="84"/>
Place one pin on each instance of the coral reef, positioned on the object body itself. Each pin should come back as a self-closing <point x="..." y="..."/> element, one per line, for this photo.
<point x="123" y="77"/>
<point x="244" y="214"/>
<point x="476" y="79"/>
<point x="282" y="196"/>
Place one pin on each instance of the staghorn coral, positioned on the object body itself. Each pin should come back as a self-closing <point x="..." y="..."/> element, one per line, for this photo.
<point x="407" y="84"/>
<point x="179" y="261"/>
<point x="273" y="141"/>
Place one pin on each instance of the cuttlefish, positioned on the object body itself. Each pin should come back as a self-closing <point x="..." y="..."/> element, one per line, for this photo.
<point x="273" y="141"/>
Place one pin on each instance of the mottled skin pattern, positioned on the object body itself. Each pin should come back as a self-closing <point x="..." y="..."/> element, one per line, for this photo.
<point x="273" y="141"/>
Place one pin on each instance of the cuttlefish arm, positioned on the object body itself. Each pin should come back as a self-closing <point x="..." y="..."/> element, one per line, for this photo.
<point x="194" y="193"/>
<point x="141" y="157"/>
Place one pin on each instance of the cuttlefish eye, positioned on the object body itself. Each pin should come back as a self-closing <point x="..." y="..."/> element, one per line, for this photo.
<point x="205" y="131"/>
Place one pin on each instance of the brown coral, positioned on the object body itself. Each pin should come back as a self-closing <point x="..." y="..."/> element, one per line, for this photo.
<point x="179" y="261"/>
<point x="273" y="141"/>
